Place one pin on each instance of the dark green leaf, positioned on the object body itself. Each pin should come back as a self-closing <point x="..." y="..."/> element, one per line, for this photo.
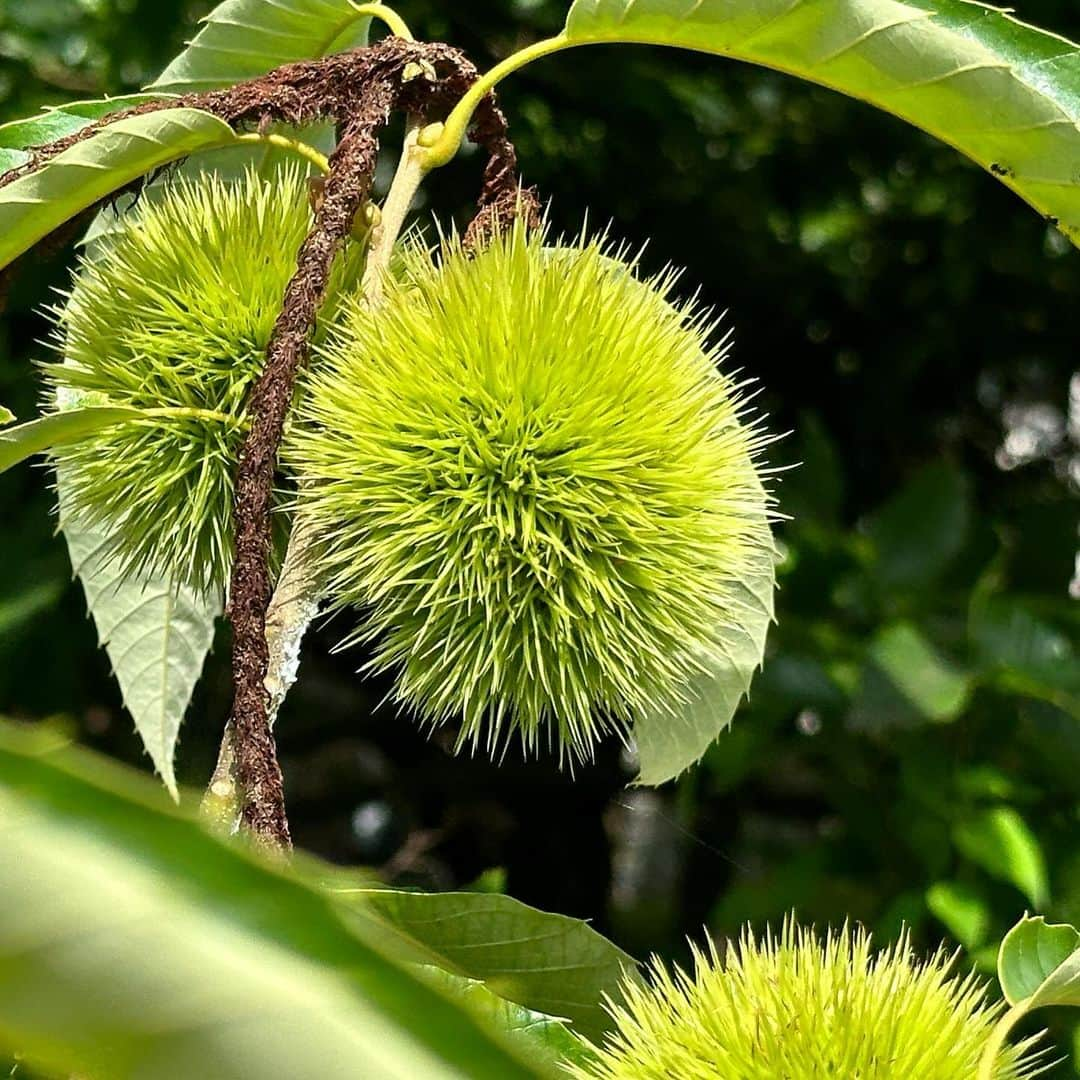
<point x="921" y="530"/>
<point x="1025" y="654"/>
<point x="549" y="963"/>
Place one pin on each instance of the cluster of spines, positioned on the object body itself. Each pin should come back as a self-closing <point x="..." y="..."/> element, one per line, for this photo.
<point x="174" y="313"/>
<point x="529" y="474"/>
<point x="804" y="1007"/>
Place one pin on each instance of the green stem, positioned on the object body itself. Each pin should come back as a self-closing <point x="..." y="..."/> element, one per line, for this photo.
<point x="283" y="142"/>
<point x="182" y="413"/>
<point x="997" y="1039"/>
<point x="443" y="148"/>
<point x="394" y="22"/>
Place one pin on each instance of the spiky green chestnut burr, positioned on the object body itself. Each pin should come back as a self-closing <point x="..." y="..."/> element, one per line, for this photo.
<point x="804" y="1008"/>
<point x="530" y="476"/>
<point x="175" y="312"/>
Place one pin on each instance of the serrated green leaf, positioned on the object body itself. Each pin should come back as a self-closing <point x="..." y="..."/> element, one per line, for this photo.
<point x="55" y="429"/>
<point x="1002" y="92"/>
<point x="56" y="123"/>
<point x="156" y="635"/>
<point x="667" y="745"/>
<point x="1002" y="843"/>
<point x="35" y="204"/>
<point x="135" y="943"/>
<point x="242" y="39"/>
<point x="1039" y="962"/>
<point x="549" y="963"/>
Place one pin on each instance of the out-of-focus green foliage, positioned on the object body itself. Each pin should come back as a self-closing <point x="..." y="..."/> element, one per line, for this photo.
<point x="134" y="943"/>
<point x="911" y="751"/>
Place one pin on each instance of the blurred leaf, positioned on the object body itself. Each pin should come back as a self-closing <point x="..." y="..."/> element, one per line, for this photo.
<point x="1039" y="962"/>
<point x="880" y="706"/>
<point x="135" y="943"/>
<point x="242" y="39"/>
<point x="904" y="912"/>
<point x="34" y="205"/>
<point x="156" y="633"/>
<point x="25" y="440"/>
<point x="1002" y="92"/>
<point x="1024" y="654"/>
<point x="6" y="415"/>
<point x="922" y="529"/>
<point x="963" y="911"/>
<point x="29" y="601"/>
<point x="797" y="681"/>
<point x="815" y="488"/>
<point x="1000" y="841"/>
<point x="550" y="963"/>
<point x="667" y="745"/>
<point x="986" y="781"/>
<point x="936" y="689"/>
<point x="57" y="123"/>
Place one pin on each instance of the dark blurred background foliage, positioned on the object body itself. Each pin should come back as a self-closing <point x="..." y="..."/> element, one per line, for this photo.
<point x="911" y="752"/>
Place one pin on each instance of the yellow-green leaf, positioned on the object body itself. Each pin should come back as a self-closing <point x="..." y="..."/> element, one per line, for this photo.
<point x="35" y="204"/>
<point x="1001" y="91"/>
<point x="25" y="440"/>
<point x="135" y="943"/>
<point x="57" y="123"/>
<point x="1039" y="963"/>
<point x="242" y="39"/>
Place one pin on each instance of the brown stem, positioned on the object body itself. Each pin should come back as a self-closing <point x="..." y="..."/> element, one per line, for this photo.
<point x="346" y="188"/>
<point x="347" y="185"/>
<point x="357" y="90"/>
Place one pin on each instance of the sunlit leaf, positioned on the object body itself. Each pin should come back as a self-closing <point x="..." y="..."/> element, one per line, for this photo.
<point x="156" y="634"/>
<point x="241" y="39"/>
<point x="547" y="1038"/>
<point x="1002" y="92"/>
<point x="134" y="943"/>
<point x="963" y="911"/>
<point x="35" y="204"/>
<point x="1039" y="962"/>
<point x="55" y="429"/>
<point x="52" y="124"/>
<point x="933" y="686"/>
<point x="668" y="745"/>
